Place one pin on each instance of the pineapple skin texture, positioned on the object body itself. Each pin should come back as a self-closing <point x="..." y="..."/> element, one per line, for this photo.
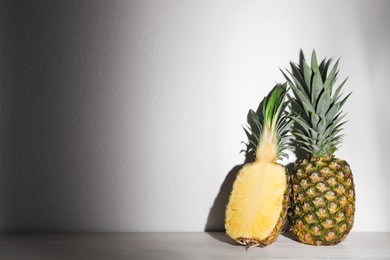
<point x="322" y="201"/>
<point x="254" y="240"/>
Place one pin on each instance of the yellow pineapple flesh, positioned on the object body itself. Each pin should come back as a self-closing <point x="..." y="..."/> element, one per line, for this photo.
<point x="258" y="203"/>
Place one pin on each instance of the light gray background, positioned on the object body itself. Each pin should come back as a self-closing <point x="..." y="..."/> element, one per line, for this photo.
<point x="127" y="115"/>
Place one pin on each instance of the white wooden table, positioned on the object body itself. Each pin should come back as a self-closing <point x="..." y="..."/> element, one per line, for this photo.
<point x="180" y="246"/>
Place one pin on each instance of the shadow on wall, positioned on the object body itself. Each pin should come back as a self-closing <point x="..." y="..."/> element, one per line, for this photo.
<point x="54" y="111"/>
<point x="216" y="217"/>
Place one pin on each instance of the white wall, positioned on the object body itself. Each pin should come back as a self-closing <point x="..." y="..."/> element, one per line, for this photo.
<point x="127" y="115"/>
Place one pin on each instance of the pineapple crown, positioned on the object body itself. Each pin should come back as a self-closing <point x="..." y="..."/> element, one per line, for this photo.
<point x="269" y="126"/>
<point x="316" y="106"/>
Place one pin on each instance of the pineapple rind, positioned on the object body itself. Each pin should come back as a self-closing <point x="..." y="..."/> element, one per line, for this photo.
<point x="322" y="190"/>
<point x="323" y="201"/>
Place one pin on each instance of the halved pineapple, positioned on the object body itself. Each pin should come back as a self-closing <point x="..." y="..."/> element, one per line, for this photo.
<point x="258" y="203"/>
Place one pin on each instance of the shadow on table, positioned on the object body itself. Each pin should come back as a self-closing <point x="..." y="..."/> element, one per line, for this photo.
<point x="221" y="236"/>
<point x="290" y="236"/>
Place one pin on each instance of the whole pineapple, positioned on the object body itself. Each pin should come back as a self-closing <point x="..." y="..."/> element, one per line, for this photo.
<point x="322" y="188"/>
<point x="257" y="207"/>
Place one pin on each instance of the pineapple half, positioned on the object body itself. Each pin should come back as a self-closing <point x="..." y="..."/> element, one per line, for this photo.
<point x="323" y="194"/>
<point x="258" y="203"/>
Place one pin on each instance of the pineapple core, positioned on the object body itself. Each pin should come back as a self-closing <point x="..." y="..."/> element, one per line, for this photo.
<point x="256" y="201"/>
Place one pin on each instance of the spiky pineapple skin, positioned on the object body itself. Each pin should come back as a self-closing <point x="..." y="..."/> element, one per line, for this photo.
<point x="322" y="201"/>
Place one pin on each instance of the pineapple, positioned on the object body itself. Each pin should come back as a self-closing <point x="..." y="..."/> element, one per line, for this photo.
<point x="322" y="188"/>
<point x="258" y="203"/>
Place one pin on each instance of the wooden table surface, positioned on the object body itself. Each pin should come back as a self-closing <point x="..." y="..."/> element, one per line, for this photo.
<point x="358" y="245"/>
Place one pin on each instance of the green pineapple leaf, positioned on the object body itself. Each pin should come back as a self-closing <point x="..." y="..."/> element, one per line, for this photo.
<point x="316" y="106"/>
